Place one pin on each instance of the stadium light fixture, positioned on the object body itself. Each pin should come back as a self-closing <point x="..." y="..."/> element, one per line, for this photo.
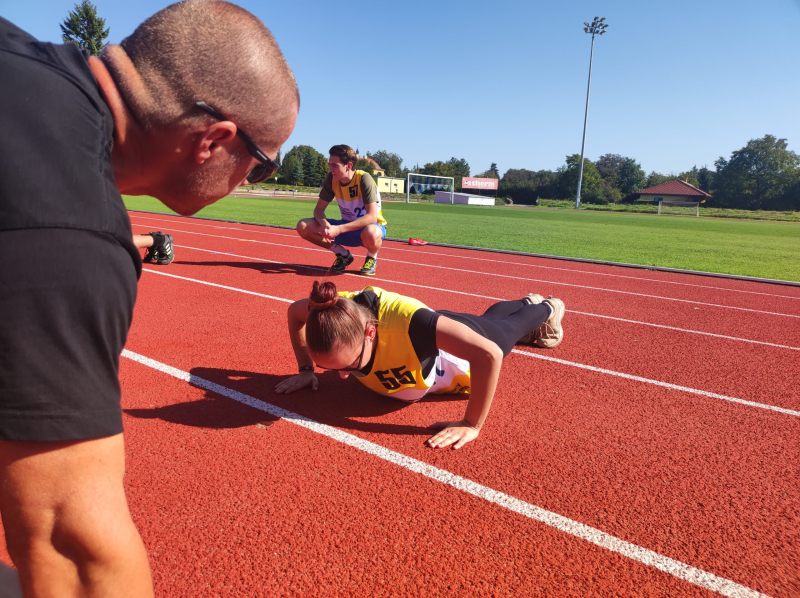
<point x="596" y="27"/>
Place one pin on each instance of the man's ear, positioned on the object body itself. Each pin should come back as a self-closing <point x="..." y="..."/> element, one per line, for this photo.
<point x="371" y="332"/>
<point x="215" y="138"/>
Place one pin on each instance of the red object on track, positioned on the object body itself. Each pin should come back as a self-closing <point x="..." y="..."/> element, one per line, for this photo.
<point x="417" y="242"/>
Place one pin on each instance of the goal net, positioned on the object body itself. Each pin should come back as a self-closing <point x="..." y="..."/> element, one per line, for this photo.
<point x="419" y="184"/>
<point x="679" y="208"/>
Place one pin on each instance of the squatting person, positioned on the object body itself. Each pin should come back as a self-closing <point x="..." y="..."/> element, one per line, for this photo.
<point x="398" y="347"/>
<point x="361" y="225"/>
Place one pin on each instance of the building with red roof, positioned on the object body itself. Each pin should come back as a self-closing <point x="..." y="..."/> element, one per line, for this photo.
<point x="676" y="190"/>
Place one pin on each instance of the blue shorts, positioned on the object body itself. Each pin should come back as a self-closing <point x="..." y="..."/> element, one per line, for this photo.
<point x="352" y="238"/>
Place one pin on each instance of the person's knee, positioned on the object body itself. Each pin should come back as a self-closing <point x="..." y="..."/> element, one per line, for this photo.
<point x="372" y="235"/>
<point x="302" y="227"/>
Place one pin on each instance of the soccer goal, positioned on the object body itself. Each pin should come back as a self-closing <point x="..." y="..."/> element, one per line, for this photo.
<point x="679" y="208"/>
<point x="417" y="184"/>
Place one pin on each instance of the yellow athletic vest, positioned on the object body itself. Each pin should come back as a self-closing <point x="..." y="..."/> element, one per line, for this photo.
<point x="351" y="200"/>
<point x="396" y="370"/>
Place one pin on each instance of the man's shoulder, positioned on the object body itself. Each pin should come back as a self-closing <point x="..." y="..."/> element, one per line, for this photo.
<point x="68" y="58"/>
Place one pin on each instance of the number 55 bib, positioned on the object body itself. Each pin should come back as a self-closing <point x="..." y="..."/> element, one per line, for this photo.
<point x="396" y="369"/>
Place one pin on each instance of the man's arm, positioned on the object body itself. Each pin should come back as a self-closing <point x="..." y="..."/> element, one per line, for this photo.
<point x="319" y="212"/>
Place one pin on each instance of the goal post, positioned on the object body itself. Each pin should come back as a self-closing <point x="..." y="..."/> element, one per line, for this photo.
<point x="427" y="182"/>
<point x="681" y="207"/>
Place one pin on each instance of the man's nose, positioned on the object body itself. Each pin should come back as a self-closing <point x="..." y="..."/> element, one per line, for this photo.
<point x="344" y="375"/>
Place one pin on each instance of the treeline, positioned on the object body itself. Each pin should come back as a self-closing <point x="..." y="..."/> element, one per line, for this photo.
<point x="763" y="175"/>
<point x="303" y="165"/>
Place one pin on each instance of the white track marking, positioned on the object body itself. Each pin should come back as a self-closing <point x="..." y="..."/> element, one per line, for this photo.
<point x="704" y="393"/>
<point x="479" y="272"/>
<point x="497" y="261"/>
<point x="582" y="313"/>
<point x="219" y="286"/>
<point x="678" y="569"/>
<point x="537" y="356"/>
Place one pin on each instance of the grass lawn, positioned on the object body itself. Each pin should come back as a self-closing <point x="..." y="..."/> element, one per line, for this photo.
<point x="764" y="249"/>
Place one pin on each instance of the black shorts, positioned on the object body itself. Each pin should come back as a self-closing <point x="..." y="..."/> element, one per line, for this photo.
<point x="66" y="305"/>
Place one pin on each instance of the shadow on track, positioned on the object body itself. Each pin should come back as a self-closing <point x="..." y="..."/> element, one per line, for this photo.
<point x="338" y="403"/>
<point x="266" y="268"/>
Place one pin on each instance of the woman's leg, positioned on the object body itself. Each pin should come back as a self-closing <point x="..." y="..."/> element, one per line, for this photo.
<point x="505" y="328"/>
<point x="503" y="309"/>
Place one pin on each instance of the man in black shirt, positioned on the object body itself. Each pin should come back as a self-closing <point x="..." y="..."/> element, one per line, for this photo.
<point x="161" y="114"/>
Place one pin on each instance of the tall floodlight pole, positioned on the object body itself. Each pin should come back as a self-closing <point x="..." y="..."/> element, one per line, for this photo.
<point x="595" y="27"/>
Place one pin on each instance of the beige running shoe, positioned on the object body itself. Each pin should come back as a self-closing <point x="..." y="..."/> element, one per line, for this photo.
<point x="550" y="334"/>
<point x="532" y="299"/>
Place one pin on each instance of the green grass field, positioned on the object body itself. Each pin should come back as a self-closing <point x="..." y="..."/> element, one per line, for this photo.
<point x="764" y="249"/>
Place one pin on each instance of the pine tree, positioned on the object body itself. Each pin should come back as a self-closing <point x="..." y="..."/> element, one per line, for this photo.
<point x="83" y="27"/>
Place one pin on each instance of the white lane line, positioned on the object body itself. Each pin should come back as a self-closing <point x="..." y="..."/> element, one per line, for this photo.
<point x="505" y="262"/>
<point x="704" y="393"/>
<point x="673" y="567"/>
<point x="561" y="361"/>
<point x="411" y="284"/>
<point x="553" y="282"/>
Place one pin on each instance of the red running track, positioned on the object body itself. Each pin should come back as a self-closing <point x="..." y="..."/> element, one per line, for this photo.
<point x="231" y="500"/>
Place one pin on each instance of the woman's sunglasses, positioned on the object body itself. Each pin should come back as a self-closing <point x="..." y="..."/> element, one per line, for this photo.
<point x="268" y="166"/>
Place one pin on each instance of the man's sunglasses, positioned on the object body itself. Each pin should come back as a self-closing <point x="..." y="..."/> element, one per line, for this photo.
<point x="268" y="166"/>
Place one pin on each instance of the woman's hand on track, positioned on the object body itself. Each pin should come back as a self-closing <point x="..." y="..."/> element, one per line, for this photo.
<point x="454" y="433"/>
<point x="297" y="382"/>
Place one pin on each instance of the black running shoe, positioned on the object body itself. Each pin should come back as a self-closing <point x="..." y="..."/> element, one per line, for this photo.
<point x="164" y="253"/>
<point x="341" y="263"/>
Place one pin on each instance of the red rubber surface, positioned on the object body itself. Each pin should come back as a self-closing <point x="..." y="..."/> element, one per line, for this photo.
<point x="230" y="501"/>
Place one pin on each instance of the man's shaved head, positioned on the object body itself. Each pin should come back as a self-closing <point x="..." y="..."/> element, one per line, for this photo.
<point x="212" y="51"/>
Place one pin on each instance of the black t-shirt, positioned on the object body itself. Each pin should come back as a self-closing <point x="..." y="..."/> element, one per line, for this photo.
<point x="68" y="279"/>
<point x="55" y="156"/>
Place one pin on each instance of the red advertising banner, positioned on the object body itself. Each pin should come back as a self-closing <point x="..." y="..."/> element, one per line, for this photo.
<point x="476" y="183"/>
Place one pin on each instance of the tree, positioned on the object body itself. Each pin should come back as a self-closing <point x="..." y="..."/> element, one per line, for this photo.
<point x="492" y="173"/>
<point x="291" y="171"/>
<point x="303" y="165"/>
<point x="365" y="165"/>
<point x="609" y="166"/>
<point x="655" y="178"/>
<point x="759" y="176"/>
<point x="524" y="186"/>
<point x="391" y="163"/>
<point x="592" y="190"/>
<point x="705" y="178"/>
<point x="620" y="174"/>
<point x="631" y="178"/>
<point x="83" y="27"/>
<point x="454" y="167"/>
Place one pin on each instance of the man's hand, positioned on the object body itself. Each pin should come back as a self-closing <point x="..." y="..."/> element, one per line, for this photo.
<point x="454" y="433"/>
<point x="330" y="231"/>
<point x="297" y="382"/>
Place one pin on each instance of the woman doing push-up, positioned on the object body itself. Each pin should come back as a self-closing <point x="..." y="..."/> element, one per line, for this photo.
<point x="398" y="347"/>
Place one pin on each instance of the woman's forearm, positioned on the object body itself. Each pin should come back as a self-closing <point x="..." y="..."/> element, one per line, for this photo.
<point x="484" y="374"/>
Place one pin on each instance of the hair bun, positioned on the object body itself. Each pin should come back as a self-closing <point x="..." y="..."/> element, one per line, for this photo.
<point x="323" y="295"/>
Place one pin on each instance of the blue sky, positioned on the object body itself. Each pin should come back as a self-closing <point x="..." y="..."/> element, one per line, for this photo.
<point x="674" y="84"/>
